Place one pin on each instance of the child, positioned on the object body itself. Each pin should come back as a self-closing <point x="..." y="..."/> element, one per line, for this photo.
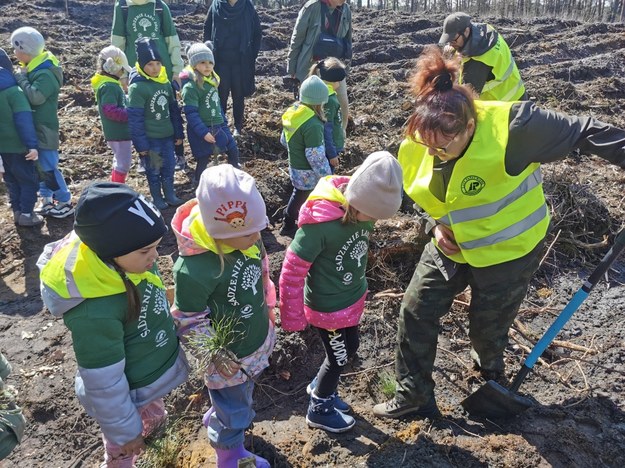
<point x="134" y="19"/>
<point x="40" y="77"/>
<point x="155" y="122"/>
<point x="18" y="147"/>
<point x="102" y="278"/>
<point x="302" y="134"/>
<point x="207" y="129"/>
<point x="217" y="275"/>
<point x="111" y="100"/>
<point x="332" y="71"/>
<point x="323" y="276"/>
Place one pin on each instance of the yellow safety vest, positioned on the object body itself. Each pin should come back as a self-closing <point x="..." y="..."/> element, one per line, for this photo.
<point x="507" y="85"/>
<point x="331" y="89"/>
<point x="76" y="271"/>
<point x="495" y="217"/>
<point x="294" y="117"/>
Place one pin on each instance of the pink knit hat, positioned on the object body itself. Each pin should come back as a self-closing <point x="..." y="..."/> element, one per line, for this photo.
<point x="230" y="204"/>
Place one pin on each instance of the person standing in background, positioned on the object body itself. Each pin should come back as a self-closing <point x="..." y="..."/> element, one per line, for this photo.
<point x="323" y="29"/>
<point x="233" y="27"/>
<point x="134" y="19"/>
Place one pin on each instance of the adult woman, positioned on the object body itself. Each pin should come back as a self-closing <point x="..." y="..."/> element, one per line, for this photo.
<point x="234" y="28"/>
<point x="323" y="29"/>
<point x="474" y="168"/>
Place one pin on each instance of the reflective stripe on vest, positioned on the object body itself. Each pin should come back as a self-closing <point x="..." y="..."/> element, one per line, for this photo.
<point x="295" y="117"/>
<point x="507" y="84"/>
<point x="495" y="217"/>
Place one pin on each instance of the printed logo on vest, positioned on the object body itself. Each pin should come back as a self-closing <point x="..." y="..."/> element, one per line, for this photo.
<point x="230" y="213"/>
<point x="347" y="279"/>
<point x="472" y="185"/>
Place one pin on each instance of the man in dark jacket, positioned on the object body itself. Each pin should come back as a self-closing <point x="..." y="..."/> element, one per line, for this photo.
<point x="488" y="64"/>
<point x="233" y="27"/>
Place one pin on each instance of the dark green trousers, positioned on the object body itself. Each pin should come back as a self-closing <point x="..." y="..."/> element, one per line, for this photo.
<point x="429" y="296"/>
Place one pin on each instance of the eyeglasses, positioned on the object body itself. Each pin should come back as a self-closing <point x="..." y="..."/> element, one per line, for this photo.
<point x="441" y="149"/>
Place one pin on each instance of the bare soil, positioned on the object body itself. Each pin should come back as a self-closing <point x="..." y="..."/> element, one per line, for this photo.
<point x="579" y="419"/>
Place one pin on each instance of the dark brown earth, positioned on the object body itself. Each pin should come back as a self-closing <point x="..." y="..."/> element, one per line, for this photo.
<point x="567" y="65"/>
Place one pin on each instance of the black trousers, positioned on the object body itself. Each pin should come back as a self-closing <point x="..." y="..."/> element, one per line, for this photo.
<point x="339" y="345"/>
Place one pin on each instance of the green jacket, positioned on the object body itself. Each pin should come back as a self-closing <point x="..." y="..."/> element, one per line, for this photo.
<point x="41" y="86"/>
<point x="305" y="34"/>
<point x="12" y="132"/>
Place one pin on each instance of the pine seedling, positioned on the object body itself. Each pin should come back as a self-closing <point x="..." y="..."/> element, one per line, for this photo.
<point x="211" y="346"/>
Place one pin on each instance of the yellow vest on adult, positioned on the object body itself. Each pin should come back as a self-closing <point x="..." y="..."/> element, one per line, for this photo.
<point x="507" y="84"/>
<point x="495" y="217"/>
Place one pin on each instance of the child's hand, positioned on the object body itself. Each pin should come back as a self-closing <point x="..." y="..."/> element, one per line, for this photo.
<point x="178" y="142"/>
<point x="334" y="162"/>
<point x="32" y="155"/>
<point x="225" y="363"/>
<point x="134" y="447"/>
<point x="209" y="138"/>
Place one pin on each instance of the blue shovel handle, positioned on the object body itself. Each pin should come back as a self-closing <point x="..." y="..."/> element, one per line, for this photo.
<point x="576" y="301"/>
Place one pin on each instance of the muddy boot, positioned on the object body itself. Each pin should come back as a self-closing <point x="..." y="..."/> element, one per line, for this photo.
<point x="170" y="194"/>
<point x="396" y="409"/>
<point x="238" y="456"/>
<point x="157" y="197"/>
<point x="323" y="415"/>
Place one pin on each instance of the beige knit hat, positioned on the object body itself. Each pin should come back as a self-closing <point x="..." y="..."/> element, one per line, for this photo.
<point x="375" y="189"/>
<point x="230" y="204"/>
<point x="113" y="60"/>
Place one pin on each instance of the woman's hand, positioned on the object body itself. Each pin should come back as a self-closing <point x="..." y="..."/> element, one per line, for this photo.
<point x="134" y="447"/>
<point x="446" y="240"/>
<point x="209" y="138"/>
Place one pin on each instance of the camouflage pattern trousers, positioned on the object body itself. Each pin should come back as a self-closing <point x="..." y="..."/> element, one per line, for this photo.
<point x="428" y="297"/>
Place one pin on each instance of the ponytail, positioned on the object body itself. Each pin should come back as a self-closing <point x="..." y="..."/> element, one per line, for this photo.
<point x="441" y="105"/>
<point x="132" y="294"/>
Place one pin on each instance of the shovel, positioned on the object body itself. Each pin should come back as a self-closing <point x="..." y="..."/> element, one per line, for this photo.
<point x="493" y="401"/>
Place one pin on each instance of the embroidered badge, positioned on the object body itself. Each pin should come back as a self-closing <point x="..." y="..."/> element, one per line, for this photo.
<point x="472" y="185"/>
<point x="231" y="213"/>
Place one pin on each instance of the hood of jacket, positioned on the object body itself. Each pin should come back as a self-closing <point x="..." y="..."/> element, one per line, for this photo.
<point x="181" y="223"/>
<point x="326" y="202"/>
<point x="482" y="40"/>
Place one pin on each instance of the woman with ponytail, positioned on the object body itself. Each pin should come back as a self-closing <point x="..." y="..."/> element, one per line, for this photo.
<point x="473" y="167"/>
<point x="102" y="278"/>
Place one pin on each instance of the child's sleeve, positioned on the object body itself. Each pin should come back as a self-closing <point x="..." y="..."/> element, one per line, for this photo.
<point x="190" y="308"/>
<point x="102" y="386"/>
<point x="23" y="119"/>
<point x="40" y="89"/>
<point x="118" y="29"/>
<point x="172" y="40"/>
<point x="136" y="120"/>
<point x="190" y="101"/>
<point x="298" y="260"/>
<point x="110" y="109"/>
<point x="315" y="150"/>
<point x="328" y="136"/>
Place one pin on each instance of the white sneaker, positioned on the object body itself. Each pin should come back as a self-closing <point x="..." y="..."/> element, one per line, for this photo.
<point x="236" y="133"/>
<point x="61" y="210"/>
<point x="44" y="207"/>
<point x="140" y="167"/>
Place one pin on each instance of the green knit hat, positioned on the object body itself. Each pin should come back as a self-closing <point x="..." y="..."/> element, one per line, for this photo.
<point x="313" y="91"/>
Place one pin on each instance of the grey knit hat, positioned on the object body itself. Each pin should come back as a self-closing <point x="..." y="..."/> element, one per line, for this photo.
<point x="199" y="52"/>
<point x="313" y="91"/>
<point x="28" y="40"/>
<point x="375" y="189"/>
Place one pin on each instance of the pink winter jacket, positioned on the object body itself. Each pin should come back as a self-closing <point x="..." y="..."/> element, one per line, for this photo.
<point x="294" y="314"/>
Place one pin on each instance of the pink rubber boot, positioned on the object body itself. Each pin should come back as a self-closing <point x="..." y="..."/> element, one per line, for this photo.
<point x="117" y="176"/>
<point x="229" y="458"/>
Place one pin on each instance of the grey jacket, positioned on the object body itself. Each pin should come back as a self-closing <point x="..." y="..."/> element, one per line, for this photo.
<point x="305" y="34"/>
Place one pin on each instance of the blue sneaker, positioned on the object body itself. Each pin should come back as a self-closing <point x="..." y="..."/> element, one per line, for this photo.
<point x="339" y="404"/>
<point x="323" y="415"/>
